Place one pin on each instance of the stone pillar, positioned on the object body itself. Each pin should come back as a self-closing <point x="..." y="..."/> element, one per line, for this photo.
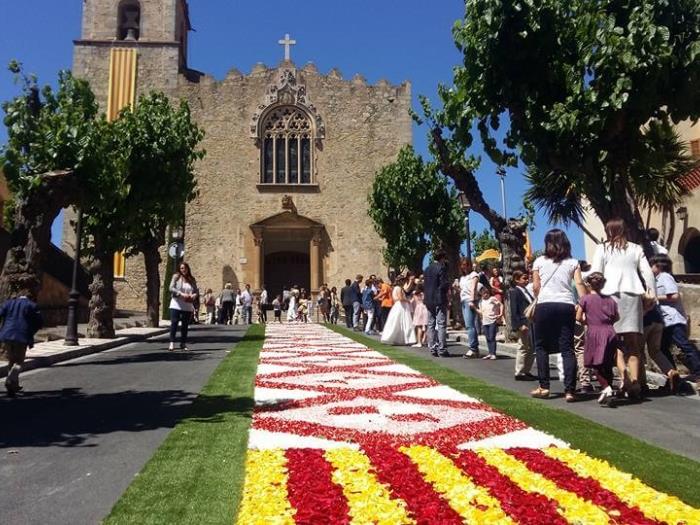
<point x="315" y="259"/>
<point x="258" y="260"/>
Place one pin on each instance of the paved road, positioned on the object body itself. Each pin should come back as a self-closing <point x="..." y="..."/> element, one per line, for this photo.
<point x="72" y="443"/>
<point x="670" y="422"/>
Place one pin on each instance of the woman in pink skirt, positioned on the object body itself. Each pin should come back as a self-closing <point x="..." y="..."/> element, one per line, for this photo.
<point x="420" y="316"/>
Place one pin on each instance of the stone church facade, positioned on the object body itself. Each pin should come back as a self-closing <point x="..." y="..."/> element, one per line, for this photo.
<point x="291" y="154"/>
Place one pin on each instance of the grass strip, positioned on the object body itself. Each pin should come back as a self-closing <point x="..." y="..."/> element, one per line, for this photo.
<point x="657" y="467"/>
<point x="196" y="475"/>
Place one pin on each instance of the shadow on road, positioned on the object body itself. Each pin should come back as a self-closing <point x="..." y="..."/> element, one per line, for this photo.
<point x="147" y="357"/>
<point x="69" y="418"/>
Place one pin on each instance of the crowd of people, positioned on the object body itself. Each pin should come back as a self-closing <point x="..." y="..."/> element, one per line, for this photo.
<point x="622" y="311"/>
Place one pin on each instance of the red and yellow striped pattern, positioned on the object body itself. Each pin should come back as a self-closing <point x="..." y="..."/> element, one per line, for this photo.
<point x="422" y="485"/>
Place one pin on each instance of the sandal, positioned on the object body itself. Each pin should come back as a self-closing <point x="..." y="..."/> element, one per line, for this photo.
<point x="540" y="393"/>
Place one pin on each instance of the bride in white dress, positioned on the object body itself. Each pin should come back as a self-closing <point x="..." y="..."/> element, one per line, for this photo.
<point x="399" y="329"/>
<point x="292" y="310"/>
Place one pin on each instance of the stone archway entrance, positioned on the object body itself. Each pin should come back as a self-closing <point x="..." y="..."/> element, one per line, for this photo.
<point x="286" y="268"/>
<point x="288" y="252"/>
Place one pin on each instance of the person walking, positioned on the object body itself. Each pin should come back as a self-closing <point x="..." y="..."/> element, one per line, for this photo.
<point x="469" y="287"/>
<point x="247" y="302"/>
<point x="183" y="288"/>
<point x="356" y="296"/>
<point x="398" y="329"/>
<point x="555" y="312"/>
<point x="622" y="263"/>
<point x="346" y="301"/>
<point x="228" y="300"/>
<point x="384" y="297"/>
<point x="436" y="286"/>
<point x="420" y="316"/>
<point x="675" y="319"/>
<point x="368" y="306"/>
<point x="490" y="312"/>
<point x="210" y="306"/>
<point x="21" y="320"/>
<point x="264" y="304"/>
<point x="335" y="305"/>
<point x="277" y="308"/>
<point x="599" y="313"/>
<point x="520" y="298"/>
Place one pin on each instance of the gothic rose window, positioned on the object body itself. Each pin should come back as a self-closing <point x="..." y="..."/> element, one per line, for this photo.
<point x="287" y="148"/>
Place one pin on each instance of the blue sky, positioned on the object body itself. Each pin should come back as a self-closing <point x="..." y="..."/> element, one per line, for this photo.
<point x="393" y="39"/>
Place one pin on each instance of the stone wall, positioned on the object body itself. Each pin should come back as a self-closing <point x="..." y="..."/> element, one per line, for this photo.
<point x="365" y="126"/>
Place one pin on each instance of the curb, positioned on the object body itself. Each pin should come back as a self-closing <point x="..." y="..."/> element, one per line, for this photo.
<point x="32" y="363"/>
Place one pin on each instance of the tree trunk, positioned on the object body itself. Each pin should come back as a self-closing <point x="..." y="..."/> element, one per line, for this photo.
<point x="152" y="258"/>
<point x="101" y="324"/>
<point x="31" y="235"/>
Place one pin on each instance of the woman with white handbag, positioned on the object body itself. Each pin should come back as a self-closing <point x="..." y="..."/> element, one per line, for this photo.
<point x="553" y="311"/>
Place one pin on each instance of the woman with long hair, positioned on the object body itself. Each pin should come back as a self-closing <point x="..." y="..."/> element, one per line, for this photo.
<point x="555" y="312"/>
<point x="622" y="263"/>
<point x="183" y="288"/>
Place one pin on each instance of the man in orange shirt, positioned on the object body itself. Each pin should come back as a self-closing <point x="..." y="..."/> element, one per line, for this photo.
<point x="385" y="300"/>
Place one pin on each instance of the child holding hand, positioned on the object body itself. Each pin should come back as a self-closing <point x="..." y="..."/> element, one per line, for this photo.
<point x="491" y="312"/>
<point x="599" y="313"/>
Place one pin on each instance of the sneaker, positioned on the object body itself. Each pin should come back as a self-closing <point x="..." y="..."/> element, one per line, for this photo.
<point x="470" y="354"/>
<point x="489" y="357"/>
<point x="606" y="397"/>
<point x="171" y="348"/>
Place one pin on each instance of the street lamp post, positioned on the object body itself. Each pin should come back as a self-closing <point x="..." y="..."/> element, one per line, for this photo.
<point x="176" y="249"/>
<point x="466" y="208"/>
<point x="71" y="338"/>
<point x="501" y="172"/>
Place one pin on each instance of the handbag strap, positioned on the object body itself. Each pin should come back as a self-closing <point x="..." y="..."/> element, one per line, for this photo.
<point x="548" y="279"/>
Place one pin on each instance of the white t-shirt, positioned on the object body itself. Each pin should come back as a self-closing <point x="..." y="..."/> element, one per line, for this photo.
<point x="672" y="313"/>
<point x="555" y="280"/>
<point x="178" y="303"/>
<point x="466" y="286"/>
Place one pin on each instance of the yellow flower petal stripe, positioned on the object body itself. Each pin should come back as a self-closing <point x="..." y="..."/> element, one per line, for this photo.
<point x="471" y="501"/>
<point x="265" y="499"/>
<point x="369" y="501"/>
<point x="654" y="504"/>
<point x="569" y="505"/>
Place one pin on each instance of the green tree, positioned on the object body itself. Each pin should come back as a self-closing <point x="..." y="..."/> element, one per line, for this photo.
<point x="53" y="151"/>
<point x="577" y="82"/>
<point x="413" y="210"/>
<point x="162" y="144"/>
<point x="484" y="241"/>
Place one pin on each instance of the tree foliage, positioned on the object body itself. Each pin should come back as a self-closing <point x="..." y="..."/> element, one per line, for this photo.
<point x="54" y="151"/>
<point x="413" y="210"/>
<point x="162" y="144"/>
<point x="48" y="130"/>
<point x="584" y="86"/>
<point x="484" y="241"/>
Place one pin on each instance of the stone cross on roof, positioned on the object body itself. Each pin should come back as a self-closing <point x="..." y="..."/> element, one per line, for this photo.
<point x="286" y="42"/>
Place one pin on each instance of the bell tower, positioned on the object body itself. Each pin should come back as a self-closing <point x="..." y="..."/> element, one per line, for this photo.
<point x="156" y="31"/>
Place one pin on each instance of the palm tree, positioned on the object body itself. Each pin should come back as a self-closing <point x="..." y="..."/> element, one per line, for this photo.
<point x="654" y="178"/>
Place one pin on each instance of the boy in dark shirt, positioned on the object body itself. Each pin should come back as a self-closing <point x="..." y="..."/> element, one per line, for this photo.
<point x="21" y="320"/>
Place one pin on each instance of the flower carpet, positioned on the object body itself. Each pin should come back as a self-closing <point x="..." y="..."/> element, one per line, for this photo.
<point x="342" y="434"/>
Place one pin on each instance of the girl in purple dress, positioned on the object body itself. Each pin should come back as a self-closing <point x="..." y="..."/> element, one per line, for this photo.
<point x="599" y="313"/>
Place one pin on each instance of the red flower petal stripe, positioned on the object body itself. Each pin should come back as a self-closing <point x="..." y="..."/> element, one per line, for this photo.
<point x="315" y="497"/>
<point x="398" y="471"/>
<point x="586" y="488"/>
<point x="341" y="434"/>
<point x="524" y="507"/>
